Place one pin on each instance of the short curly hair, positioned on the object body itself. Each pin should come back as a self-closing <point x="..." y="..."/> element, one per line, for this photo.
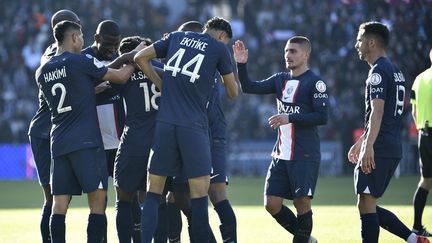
<point x="218" y="23"/>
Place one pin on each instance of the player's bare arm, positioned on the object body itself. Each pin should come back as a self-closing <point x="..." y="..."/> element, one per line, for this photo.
<point x="142" y="58"/>
<point x="366" y="156"/>
<point x="127" y="57"/>
<point x="119" y="76"/>
<point x="231" y="86"/>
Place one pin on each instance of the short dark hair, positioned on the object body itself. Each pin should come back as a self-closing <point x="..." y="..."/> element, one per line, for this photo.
<point x="108" y="27"/>
<point x="378" y="31"/>
<point x="302" y="40"/>
<point x="62" y="28"/>
<point x="129" y="43"/>
<point x="218" y="23"/>
<point x="64" y="14"/>
<point x="193" y="26"/>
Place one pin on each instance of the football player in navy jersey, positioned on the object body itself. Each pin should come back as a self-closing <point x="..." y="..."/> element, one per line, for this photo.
<point x="378" y="151"/>
<point x="39" y="133"/>
<point x="219" y="179"/>
<point x="78" y="161"/>
<point x="302" y="102"/>
<point x="109" y="103"/>
<point x="182" y="124"/>
<point x="141" y="101"/>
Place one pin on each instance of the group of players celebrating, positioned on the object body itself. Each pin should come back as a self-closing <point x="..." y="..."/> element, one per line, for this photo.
<point x="149" y="115"/>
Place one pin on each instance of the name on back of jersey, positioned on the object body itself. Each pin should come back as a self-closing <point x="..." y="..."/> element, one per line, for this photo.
<point x="55" y="74"/>
<point x="194" y="43"/>
<point x="138" y="76"/>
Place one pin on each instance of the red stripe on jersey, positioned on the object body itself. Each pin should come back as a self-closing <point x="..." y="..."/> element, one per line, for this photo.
<point x="295" y="92"/>
<point x="283" y="88"/>
<point x="116" y="121"/>
<point x="280" y="141"/>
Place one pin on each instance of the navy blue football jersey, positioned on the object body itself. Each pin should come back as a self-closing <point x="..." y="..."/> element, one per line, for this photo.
<point x="110" y="109"/>
<point x="141" y="102"/>
<point x="192" y="61"/>
<point x="67" y="85"/>
<point x="305" y="100"/>
<point x="386" y="81"/>
<point x="215" y="113"/>
<point x="40" y="125"/>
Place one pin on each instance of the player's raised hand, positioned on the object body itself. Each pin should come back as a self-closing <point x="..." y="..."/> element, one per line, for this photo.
<point x="240" y="52"/>
<point x="278" y="120"/>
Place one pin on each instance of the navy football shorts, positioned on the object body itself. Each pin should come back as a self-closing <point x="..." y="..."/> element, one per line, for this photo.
<point x="291" y="179"/>
<point x="425" y="150"/>
<point x="130" y="172"/>
<point x="42" y="157"/>
<point x="218" y="154"/>
<point x="79" y="171"/>
<point x="376" y="182"/>
<point x="178" y="149"/>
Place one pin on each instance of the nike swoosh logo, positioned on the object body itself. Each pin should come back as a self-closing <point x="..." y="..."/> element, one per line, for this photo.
<point x="298" y="189"/>
<point x="213" y="176"/>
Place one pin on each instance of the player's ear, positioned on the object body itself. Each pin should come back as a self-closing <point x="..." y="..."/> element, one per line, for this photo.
<point x="97" y="38"/>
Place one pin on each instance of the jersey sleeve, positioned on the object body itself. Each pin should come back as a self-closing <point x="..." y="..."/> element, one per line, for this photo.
<point x="224" y="65"/>
<point x="92" y="66"/>
<point x="266" y="86"/>
<point x="161" y="46"/>
<point x="379" y="82"/>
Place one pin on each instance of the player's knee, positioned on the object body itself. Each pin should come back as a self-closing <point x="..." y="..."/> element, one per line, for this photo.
<point x="302" y="204"/>
<point x="217" y="195"/>
<point x="123" y="195"/>
<point x="426" y="183"/>
<point x="272" y="207"/>
<point x="97" y="201"/>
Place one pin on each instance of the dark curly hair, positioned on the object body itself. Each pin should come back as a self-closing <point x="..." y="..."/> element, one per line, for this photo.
<point x="218" y="23"/>
<point x="129" y="43"/>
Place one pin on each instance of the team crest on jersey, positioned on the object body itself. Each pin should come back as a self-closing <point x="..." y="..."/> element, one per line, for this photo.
<point x="289" y="91"/>
<point x="321" y="86"/>
<point x="375" y="79"/>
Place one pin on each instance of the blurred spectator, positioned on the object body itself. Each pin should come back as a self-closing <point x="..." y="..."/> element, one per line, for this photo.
<point x="264" y="24"/>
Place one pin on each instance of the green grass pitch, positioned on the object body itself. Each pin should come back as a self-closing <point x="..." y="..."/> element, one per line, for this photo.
<point x="335" y="214"/>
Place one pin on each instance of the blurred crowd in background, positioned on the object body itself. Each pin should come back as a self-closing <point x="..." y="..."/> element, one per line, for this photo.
<point x="264" y="26"/>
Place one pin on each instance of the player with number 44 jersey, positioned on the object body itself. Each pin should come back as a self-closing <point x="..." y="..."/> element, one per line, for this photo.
<point x="182" y="142"/>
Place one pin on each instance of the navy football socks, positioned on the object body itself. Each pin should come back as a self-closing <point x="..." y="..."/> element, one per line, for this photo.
<point x="419" y="201"/>
<point x="58" y="228"/>
<point x="44" y="224"/>
<point x="161" y="233"/>
<point x="174" y="223"/>
<point x="228" y="221"/>
<point x="287" y="219"/>
<point x="136" y="220"/>
<point x="304" y="228"/>
<point x="97" y="223"/>
<point x="149" y="216"/>
<point x="200" y="219"/>
<point x="391" y="223"/>
<point x="124" y="221"/>
<point x="369" y="228"/>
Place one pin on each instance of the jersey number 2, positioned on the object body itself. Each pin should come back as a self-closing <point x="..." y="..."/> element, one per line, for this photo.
<point x="60" y="108"/>
<point x="197" y="60"/>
